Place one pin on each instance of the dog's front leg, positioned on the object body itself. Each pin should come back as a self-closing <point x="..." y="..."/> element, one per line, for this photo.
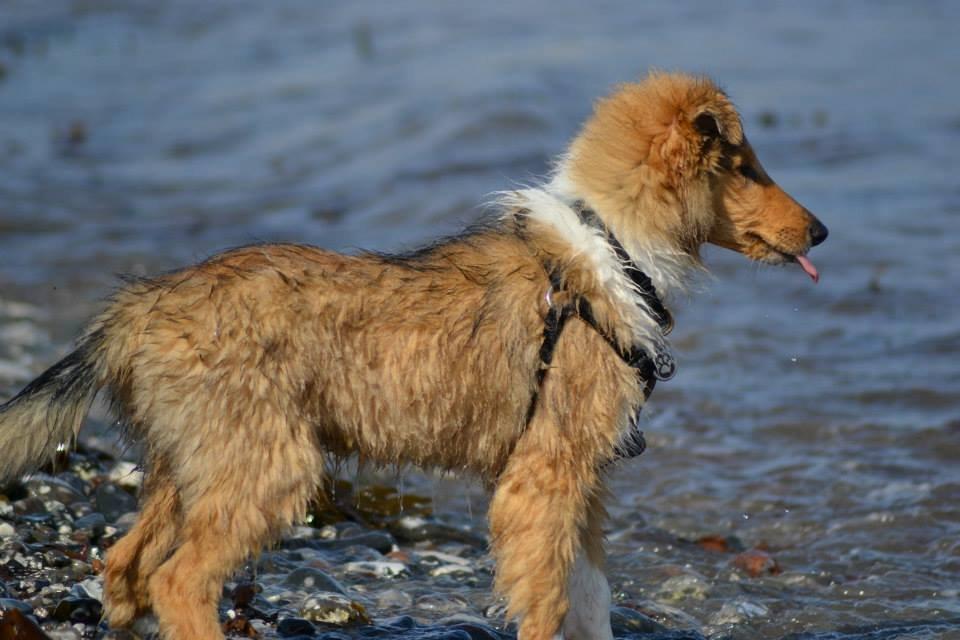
<point x="538" y="516"/>
<point x="588" y="591"/>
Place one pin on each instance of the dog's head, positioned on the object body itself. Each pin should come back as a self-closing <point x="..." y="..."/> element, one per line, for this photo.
<point x="666" y="161"/>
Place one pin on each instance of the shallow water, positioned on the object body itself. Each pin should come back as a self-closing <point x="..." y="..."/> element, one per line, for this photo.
<point x="818" y="423"/>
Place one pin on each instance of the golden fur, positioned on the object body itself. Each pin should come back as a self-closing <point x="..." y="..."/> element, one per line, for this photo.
<point x="243" y="374"/>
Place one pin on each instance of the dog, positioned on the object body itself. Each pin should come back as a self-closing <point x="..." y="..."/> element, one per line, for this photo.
<point x="519" y="351"/>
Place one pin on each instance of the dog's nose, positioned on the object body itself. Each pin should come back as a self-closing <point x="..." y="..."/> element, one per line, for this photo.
<point x="818" y="232"/>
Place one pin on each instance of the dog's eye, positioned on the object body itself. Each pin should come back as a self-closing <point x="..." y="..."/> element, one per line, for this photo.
<point x="748" y="172"/>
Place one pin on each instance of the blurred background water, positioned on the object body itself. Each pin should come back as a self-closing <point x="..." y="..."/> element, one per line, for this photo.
<point x="819" y="424"/>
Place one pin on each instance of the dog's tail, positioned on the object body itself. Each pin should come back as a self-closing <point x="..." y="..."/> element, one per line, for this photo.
<point x="48" y="412"/>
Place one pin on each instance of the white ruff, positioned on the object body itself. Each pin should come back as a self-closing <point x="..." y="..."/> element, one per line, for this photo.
<point x="551" y="205"/>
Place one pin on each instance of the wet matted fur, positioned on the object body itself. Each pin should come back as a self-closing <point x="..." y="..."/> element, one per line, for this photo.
<point x="242" y="374"/>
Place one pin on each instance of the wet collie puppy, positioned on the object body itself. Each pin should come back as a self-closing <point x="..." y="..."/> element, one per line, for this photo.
<point x="519" y="351"/>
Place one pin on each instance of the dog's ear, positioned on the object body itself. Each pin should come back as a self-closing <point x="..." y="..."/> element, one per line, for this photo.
<point x="709" y="126"/>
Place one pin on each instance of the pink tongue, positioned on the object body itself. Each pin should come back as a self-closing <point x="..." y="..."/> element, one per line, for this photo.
<point x="809" y="268"/>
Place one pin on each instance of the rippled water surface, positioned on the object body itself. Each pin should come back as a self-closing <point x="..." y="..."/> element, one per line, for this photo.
<point x="817" y="425"/>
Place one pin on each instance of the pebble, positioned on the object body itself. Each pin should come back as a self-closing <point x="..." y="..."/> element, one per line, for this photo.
<point x="126" y="474"/>
<point x="377" y="569"/>
<point x="112" y="501"/>
<point x="291" y="627"/>
<point x="451" y="569"/>
<point x="394" y="599"/>
<point x="310" y="579"/>
<point x="18" y="626"/>
<point x="756" y="563"/>
<point x="94" y="522"/>
<point x="739" y="611"/>
<point x="688" y="585"/>
<point x="333" y="608"/>
<point x="624" y="620"/>
<point x="78" y="609"/>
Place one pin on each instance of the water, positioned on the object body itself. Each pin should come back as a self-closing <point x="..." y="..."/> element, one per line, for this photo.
<point x="820" y="422"/>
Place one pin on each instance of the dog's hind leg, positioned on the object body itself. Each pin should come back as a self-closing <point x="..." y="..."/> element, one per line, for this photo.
<point x="138" y="554"/>
<point x="237" y="496"/>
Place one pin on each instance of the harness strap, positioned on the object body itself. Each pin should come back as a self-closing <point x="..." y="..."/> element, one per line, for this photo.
<point x="648" y="369"/>
<point x="641" y="280"/>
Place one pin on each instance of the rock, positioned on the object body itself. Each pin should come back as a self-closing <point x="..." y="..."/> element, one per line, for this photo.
<point x="451" y="569"/>
<point x="237" y="625"/>
<point x="7" y="530"/>
<point x="739" y="611"/>
<point x="9" y="604"/>
<point x="333" y="608"/>
<point x="400" y="623"/>
<point x="18" y="626"/>
<point x="310" y="579"/>
<point x="418" y="529"/>
<point x="289" y="627"/>
<point x="687" y="585"/>
<point x="445" y="604"/>
<point x="112" y="501"/>
<point x="127" y="475"/>
<point x="625" y="620"/>
<point x="74" y="609"/>
<point x="393" y="599"/>
<point x="376" y="569"/>
<point x="756" y="563"/>
<point x="95" y="523"/>
<point x="89" y="588"/>
<point x="475" y="628"/>
<point x="720" y="544"/>
<point x="57" y="488"/>
<point x="33" y="510"/>
<point x="243" y="594"/>
<point x="380" y="541"/>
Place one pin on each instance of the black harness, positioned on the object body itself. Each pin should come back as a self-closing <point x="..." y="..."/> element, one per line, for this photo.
<point x="649" y="369"/>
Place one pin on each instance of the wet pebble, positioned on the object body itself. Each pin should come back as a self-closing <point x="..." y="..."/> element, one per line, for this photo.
<point x="89" y="588"/>
<point x="112" y="501"/>
<point x="756" y="563"/>
<point x="378" y="540"/>
<point x="9" y="604"/>
<point x="18" y="626"/>
<point x="394" y="599"/>
<point x="93" y="523"/>
<point x="418" y="528"/>
<point x="687" y="585"/>
<point x="78" y="609"/>
<point x="126" y="474"/>
<point x="443" y="604"/>
<point x="376" y="569"/>
<point x="310" y="579"/>
<point x="294" y="627"/>
<point x="739" y="611"/>
<point x="624" y="620"/>
<point x="333" y="608"/>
